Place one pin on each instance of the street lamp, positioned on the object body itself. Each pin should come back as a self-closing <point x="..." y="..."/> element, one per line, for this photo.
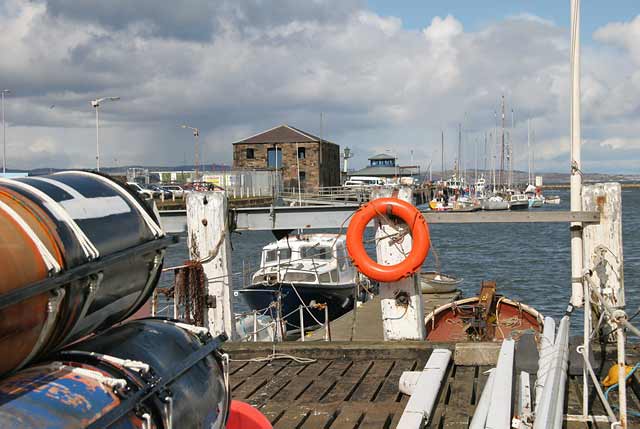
<point x="96" y="104"/>
<point x="196" y="133"/>
<point x="4" y="135"/>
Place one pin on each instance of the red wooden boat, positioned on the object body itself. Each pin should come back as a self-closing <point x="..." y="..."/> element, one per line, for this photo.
<point x="486" y="317"/>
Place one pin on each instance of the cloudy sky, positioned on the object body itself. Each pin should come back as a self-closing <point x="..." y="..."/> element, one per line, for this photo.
<point x="388" y="76"/>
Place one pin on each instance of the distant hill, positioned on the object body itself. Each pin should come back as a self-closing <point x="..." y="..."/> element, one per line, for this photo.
<point x="123" y="170"/>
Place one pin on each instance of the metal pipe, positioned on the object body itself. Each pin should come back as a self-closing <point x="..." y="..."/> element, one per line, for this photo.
<point x="525" y="413"/>
<point x="596" y="384"/>
<point x="500" y="417"/>
<point x="482" y="409"/>
<point x="622" y="376"/>
<point x="545" y="356"/>
<point x="301" y="310"/>
<point x="326" y="323"/>
<point x="551" y="405"/>
<point x="255" y="326"/>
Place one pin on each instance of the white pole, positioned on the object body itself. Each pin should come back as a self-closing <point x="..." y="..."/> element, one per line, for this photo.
<point x="301" y="310"/>
<point x="576" y="178"/>
<point x="4" y="139"/>
<point x="529" y="150"/>
<point x="298" y="164"/>
<point x="482" y="409"/>
<point x="545" y="356"/>
<point x="577" y="284"/>
<point x="622" y="385"/>
<point x="97" y="140"/>
<point x="255" y="324"/>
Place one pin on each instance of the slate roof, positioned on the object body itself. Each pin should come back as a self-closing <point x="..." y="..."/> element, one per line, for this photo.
<point x="282" y="134"/>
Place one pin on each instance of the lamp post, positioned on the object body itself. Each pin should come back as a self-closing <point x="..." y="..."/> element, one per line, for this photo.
<point x="4" y="135"/>
<point x="196" y="133"/>
<point x="96" y="104"/>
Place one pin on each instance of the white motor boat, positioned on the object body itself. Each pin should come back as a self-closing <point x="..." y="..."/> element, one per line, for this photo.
<point x="435" y="282"/>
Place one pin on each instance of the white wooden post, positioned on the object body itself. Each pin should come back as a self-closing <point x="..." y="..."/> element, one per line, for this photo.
<point x="602" y="242"/>
<point x="399" y="321"/>
<point x="208" y="241"/>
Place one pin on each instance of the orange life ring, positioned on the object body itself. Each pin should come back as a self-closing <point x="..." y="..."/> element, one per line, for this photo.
<point x="419" y="232"/>
<point x="244" y="416"/>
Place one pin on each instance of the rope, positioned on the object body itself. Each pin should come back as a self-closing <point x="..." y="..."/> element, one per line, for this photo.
<point x="615" y="386"/>
<point x="277" y="356"/>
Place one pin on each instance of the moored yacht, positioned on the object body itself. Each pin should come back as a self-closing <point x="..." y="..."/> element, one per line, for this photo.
<point x="518" y="201"/>
<point x="309" y="269"/>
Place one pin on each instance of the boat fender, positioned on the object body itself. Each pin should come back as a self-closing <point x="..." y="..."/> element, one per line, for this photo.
<point x="244" y="416"/>
<point x="419" y="232"/>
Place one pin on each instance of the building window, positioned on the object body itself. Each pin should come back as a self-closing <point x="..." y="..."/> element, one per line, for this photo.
<point x="302" y="153"/>
<point x="274" y="160"/>
<point x="250" y="154"/>
<point x="303" y="176"/>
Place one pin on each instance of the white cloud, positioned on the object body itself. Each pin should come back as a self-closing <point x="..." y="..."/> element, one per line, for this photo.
<point x="247" y="68"/>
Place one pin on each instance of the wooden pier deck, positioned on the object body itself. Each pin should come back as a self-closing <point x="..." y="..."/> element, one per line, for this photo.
<point x="368" y="323"/>
<point x="353" y="385"/>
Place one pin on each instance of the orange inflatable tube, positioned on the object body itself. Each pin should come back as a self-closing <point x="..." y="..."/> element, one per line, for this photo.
<point x="244" y="416"/>
<point x="419" y="232"/>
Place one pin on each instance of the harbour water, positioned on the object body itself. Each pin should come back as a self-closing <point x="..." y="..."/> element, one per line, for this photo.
<point x="530" y="262"/>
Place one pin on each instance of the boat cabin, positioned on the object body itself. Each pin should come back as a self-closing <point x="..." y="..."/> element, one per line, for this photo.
<point x="309" y="258"/>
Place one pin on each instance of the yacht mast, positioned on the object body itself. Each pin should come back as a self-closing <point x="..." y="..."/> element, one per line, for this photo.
<point x="511" y="151"/>
<point x="529" y="150"/>
<point x="501" y="171"/>
<point x="442" y="153"/>
<point x="459" y="150"/>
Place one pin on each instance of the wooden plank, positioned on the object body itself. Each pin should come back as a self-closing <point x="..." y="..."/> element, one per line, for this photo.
<point x="322" y="385"/>
<point x="321" y="416"/>
<point x="349" y="417"/>
<point x="243" y="374"/>
<point x="373" y="381"/>
<point x="380" y="415"/>
<point x="304" y="379"/>
<point x="273" y="411"/>
<point x="275" y="384"/>
<point x="459" y="409"/>
<point x="258" y="380"/>
<point x="293" y="417"/>
<point x="389" y="391"/>
<point x="349" y="382"/>
<point x="236" y="366"/>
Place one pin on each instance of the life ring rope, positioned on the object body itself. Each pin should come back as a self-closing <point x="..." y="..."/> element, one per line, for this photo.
<point x="417" y="226"/>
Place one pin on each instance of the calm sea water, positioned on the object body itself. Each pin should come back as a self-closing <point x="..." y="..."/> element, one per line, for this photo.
<point x="530" y="262"/>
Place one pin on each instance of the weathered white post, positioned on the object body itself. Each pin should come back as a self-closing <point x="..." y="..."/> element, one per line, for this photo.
<point x="602" y="243"/>
<point x="208" y="242"/>
<point x="402" y="306"/>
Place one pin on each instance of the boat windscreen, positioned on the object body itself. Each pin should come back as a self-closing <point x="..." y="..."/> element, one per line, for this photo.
<point x="271" y="255"/>
<point x="316" y="252"/>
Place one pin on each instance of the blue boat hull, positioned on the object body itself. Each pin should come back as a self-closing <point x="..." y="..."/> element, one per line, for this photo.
<point x="339" y="300"/>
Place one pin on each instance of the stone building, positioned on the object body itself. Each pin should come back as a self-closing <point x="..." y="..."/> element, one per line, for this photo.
<point x="284" y="148"/>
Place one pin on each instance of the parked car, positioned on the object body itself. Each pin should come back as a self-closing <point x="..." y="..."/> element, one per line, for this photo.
<point x="158" y="192"/>
<point x="176" y="190"/>
<point x="145" y="193"/>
